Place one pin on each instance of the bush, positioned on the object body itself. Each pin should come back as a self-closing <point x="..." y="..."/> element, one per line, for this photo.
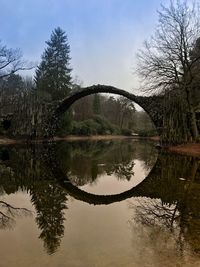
<point x="80" y="129"/>
<point x="147" y="133"/>
<point x="126" y="132"/>
<point x="94" y="126"/>
<point x="65" y="124"/>
<point x="105" y="127"/>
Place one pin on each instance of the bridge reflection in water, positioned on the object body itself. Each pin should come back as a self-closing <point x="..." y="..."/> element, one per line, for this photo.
<point x="169" y="196"/>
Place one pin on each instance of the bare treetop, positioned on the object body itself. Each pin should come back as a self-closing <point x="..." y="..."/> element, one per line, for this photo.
<point x="164" y="62"/>
<point x="11" y="61"/>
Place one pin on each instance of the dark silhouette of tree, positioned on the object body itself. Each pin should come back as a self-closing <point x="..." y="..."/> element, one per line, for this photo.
<point x="53" y="75"/>
<point x="165" y="62"/>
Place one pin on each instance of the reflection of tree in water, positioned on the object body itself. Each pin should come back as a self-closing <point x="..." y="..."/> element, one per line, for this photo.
<point x="84" y="162"/>
<point x="152" y="212"/>
<point x="8" y="214"/>
<point x="27" y="171"/>
<point x="50" y="203"/>
<point x="160" y="227"/>
<point x="122" y="170"/>
<point x="147" y="154"/>
<point x="177" y="210"/>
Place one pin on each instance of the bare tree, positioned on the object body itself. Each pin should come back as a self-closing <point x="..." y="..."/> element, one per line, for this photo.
<point x="11" y="61"/>
<point x="165" y="62"/>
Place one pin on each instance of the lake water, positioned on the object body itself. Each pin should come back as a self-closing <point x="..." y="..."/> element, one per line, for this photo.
<point x="99" y="203"/>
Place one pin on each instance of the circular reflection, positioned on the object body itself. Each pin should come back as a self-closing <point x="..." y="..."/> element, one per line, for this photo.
<point x="91" y="198"/>
<point x="102" y="173"/>
<point x="117" y="178"/>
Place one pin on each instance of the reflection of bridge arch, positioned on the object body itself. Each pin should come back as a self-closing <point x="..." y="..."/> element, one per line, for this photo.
<point x="152" y="105"/>
<point x="90" y="198"/>
<point x="159" y="183"/>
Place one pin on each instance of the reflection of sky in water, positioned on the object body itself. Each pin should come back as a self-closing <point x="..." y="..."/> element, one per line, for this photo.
<point x="110" y="184"/>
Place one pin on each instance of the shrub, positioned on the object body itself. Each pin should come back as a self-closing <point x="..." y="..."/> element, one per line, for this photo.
<point x="146" y="133"/>
<point x="94" y="126"/>
<point x="126" y="132"/>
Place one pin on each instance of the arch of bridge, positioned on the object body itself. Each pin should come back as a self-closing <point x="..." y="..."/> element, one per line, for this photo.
<point x="149" y="104"/>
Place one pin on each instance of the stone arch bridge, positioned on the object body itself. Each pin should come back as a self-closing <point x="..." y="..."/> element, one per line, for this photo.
<point x="153" y="105"/>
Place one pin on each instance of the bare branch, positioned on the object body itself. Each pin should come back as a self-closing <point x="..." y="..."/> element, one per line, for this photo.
<point x="165" y="59"/>
<point x="11" y="61"/>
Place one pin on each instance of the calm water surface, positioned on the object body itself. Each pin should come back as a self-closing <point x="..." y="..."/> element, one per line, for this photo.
<point x="99" y="203"/>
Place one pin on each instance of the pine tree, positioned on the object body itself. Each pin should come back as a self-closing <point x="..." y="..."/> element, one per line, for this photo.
<point x="53" y="75"/>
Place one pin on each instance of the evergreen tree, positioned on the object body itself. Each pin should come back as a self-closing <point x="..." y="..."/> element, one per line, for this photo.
<point x="53" y="75"/>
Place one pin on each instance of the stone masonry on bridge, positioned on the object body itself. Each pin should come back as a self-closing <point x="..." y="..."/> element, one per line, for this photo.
<point x="153" y="105"/>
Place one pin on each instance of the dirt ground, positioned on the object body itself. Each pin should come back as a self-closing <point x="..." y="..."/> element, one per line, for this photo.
<point x="7" y="141"/>
<point x="93" y="137"/>
<point x="191" y="149"/>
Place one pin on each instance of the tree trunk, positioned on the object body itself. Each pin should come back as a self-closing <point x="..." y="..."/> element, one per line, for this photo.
<point x="194" y="129"/>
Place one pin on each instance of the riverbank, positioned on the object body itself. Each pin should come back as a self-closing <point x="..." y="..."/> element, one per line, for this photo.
<point x="8" y="141"/>
<point x="190" y="149"/>
<point x="103" y="137"/>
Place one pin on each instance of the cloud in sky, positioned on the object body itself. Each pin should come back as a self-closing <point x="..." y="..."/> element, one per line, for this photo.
<point x="104" y="35"/>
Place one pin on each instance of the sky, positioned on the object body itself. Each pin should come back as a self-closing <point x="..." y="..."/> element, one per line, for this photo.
<point x="104" y="35"/>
